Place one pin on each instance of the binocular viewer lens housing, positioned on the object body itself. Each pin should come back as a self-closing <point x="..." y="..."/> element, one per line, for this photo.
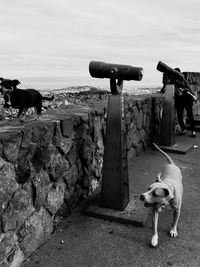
<point x="162" y="67"/>
<point x="100" y="69"/>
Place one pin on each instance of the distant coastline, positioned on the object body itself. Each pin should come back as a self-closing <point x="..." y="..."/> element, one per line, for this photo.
<point x="57" y="83"/>
<point x="78" y="89"/>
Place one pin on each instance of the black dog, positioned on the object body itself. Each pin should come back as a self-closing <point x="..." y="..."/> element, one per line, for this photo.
<point x="21" y="99"/>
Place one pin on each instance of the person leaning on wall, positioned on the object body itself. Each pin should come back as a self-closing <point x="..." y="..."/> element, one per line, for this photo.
<point x="184" y="98"/>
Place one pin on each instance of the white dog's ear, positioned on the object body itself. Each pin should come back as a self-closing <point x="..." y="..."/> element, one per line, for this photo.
<point x="168" y="194"/>
<point x="158" y="178"/>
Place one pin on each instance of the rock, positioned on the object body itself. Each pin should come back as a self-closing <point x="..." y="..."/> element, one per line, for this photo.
<point x="131" y="135"/>
<point x="140" y="120"/>
<point x="87" y="151"/>
<point x="8" y="184"/>
<point x="26" y="137"/>
<point x="19" y="209"/>
<point x="23" y="166"/>
<point x="71" y="176"/>
<point x="98" y="136"/>
<point x="43" y="133"/>
<point x="55" y="197"/>
<point x="42" y="185"/>
<point x="56" y="164"/>
<point x="67" y="127"/>
<point x="97" y="165"/>
<point x="72" y="154"/>
<point x="142" y="135"/>
<point x="81" y="130"/>
<point x="16" y="259"/>
<point x="35" y="231"/>
<point x="40" y="155"/>
<point x="69" y="195"/>
<point x="11" y="144"/>
<point x="10" y="252"/>
<point x="135" y="112"/>
<point x="63" y="144"/>
<point x="72" y="196"/>
<point x="135" y="139"/>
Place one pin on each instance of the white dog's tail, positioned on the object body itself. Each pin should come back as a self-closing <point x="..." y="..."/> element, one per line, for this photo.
<point x="164" y="154"/>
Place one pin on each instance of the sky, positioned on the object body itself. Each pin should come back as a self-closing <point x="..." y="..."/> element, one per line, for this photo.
<point x="53" y="41"/>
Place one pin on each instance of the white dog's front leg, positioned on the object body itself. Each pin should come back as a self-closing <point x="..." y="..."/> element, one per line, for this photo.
<point x="173" y="231"/>
<point x="154" y="240"/>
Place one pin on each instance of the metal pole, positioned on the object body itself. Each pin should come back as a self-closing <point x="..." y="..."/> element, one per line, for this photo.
<point x="115" y="181"/>
<point x="167" y="126"/>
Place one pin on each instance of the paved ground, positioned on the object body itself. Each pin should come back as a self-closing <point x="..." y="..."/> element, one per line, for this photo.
<point x="89" y="242"/>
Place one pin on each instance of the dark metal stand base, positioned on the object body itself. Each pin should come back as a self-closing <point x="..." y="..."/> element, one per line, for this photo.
<point x="135" y="213"/>
<point x="178" y="148"/>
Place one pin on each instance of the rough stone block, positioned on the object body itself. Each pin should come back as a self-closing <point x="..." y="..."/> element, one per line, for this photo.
<point x="71" y="176"/>
<point x="140" y="120"/>
<point x="11" y="144"/>
<point x="70" y="196"/>
<point x="27" y="134"/>
<point x="55" y="197"/>
<point x="35" y="231"/>
<point x="10" y="252"/>
<point x="142" y="135"/>
<point x="67" y="127"/>
<point x="81" y="130"/>
<point x="43" y="133"/>
<point x="72" y="154"/>
<point x="62" y="143"/>
<point x="65" y="145"/>
<point x="56" y="164"/>
<point x="42" y="185"/>
<point x="8" y="184"/>
<point x="135" y="112"/>
<point x="135" y="139"/>
<point x="19" y="209"/>
<point x="97" y="165"/>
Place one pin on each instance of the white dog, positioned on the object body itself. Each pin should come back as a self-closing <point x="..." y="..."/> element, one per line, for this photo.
<point x="167" y="190"/>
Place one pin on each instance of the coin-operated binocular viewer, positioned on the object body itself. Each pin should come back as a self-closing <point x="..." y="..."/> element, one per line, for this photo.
<point x="115" y="181"/>
<point x="167" y="126"/>
<point x="172" y="74"/>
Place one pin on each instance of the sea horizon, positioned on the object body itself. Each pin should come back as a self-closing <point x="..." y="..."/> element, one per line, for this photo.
<point x="56" y="83"/>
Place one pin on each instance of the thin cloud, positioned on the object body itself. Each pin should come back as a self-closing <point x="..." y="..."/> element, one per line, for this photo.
<point x="59" y="37"/>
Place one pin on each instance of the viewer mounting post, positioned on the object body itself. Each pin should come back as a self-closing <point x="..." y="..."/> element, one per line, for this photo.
<point x="115" y="180"/>
<point x="167" y="124"/>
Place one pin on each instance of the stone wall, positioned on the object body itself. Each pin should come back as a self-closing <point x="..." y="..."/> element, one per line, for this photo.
<point x="193" y="79"/>
<point x="48" y="166"/>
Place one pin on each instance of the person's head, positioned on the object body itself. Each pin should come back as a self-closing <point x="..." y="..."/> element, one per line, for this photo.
<point x="177" y="69"/>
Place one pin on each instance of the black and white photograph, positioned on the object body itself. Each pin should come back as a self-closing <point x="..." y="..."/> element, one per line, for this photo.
<point x="99" y="133"/>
